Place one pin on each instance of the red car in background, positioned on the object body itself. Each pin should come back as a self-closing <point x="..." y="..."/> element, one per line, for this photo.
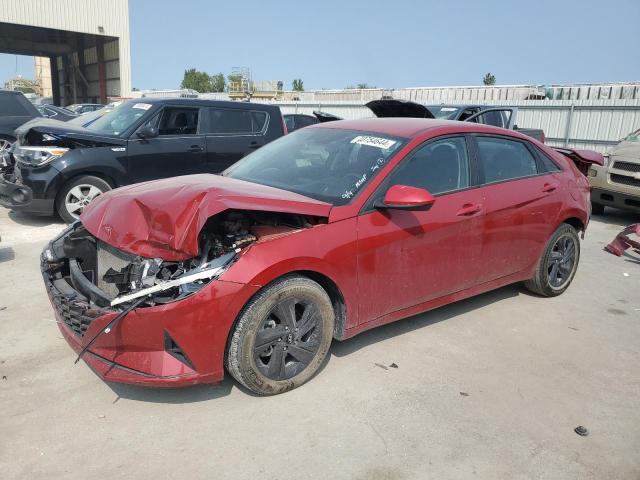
<point x="322" y="234"/>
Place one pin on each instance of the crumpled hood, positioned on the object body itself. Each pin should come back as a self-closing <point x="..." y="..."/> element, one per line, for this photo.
<point x="63" y="134"/>
<point x="163" y="218"/>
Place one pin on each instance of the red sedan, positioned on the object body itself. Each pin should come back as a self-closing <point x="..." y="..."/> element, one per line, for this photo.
<point x="322" y="234"/>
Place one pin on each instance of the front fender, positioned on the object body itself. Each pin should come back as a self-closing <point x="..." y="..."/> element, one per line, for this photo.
<point x="326" y="249"/>
<point x="107" y="162"/>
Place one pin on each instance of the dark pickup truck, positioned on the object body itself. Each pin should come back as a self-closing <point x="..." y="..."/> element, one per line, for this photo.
<point x="61" y="166"/>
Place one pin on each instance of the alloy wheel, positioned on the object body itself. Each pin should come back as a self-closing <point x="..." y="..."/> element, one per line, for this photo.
<point x="288" y="339"/>
<point x="79" y="197"/>
<point x="562" y="262"/>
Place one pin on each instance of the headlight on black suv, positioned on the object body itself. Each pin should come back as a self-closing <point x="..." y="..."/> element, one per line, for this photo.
<point x="37" y="156"/>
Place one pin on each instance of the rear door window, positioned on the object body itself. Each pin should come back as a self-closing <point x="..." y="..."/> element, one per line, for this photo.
<point x="503" y="159"/>
<point x="231" y="121"/>
<point x="259" y="121"/>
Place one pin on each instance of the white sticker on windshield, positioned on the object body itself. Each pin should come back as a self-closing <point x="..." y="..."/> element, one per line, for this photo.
<point x="142" y="106"/>
<point x="379" y="142"/>
<point x="448" y="109"/>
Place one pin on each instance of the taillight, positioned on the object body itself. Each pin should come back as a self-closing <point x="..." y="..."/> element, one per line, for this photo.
<point x="284" y="125"/>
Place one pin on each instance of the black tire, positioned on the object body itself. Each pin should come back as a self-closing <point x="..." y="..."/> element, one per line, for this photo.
<point x="296" y="355"/>
<point x="84" y="184"/>
<point x="553" y="259"/>
<point x="597" y="208"/>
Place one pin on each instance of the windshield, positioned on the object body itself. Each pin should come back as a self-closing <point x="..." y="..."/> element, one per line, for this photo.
<point x="442" y="112"/>
<point x="633" y="137"/>
<point x="87" y="118"/>
<point x="327" y="164"/>
<point x="119" y="119"/>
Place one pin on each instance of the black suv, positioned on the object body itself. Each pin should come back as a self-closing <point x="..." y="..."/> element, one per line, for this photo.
<point x="15" y="109"/>
<point x="62" y="167"/>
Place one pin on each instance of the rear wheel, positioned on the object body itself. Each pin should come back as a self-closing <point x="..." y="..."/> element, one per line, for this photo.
<point x="597" y="208"/>
<point x="558" y="264"/>
<point x="77" y="194"/>
<point x="282" y="336"/>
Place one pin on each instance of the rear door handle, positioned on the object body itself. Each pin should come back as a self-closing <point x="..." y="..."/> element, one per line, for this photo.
<point x="549" y="187"/>
<point x="195" y="148"/>
<point x="254" y="145"/>
<point x="469" y="209"/>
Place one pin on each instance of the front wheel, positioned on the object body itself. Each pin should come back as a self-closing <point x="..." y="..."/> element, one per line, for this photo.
<point x="558" y="264"/>
<point x="77" y="194"/>
<point x="282" y="336"/>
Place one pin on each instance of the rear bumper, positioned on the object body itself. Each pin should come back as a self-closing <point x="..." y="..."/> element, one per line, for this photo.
<point x="616" y="199"/>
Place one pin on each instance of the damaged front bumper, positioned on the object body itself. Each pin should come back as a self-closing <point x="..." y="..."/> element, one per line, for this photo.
<point x="12" y="193"/>
<point x="176" y="337"/>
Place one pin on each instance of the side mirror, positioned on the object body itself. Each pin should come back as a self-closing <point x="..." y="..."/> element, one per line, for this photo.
<point x="147" y="132"/>
<point x="403" y="197"/>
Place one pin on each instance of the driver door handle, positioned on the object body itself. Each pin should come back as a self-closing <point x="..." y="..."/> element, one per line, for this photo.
<point x="549" y="187"/>
<point x="469" y="209"/>
<point x="195" y="148"/>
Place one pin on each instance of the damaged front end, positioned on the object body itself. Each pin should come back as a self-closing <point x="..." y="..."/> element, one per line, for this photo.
<point x="86" y="277"/>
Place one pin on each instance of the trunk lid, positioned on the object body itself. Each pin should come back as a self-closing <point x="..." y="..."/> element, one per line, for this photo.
<point x="325" y="117"/>
<point x="582" y="158"/>
<point x="399" y="108"/>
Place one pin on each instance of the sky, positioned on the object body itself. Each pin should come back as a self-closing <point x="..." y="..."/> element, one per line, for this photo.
<point x="388" y="44"/>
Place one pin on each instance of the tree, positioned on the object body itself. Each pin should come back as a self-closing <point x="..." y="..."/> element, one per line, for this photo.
<point x="297" y="85"/>
<point x="364" y="85"/>
<point x="217" y="82"/>
<point x="489" y="79"/>
<point x="195" y="80"/>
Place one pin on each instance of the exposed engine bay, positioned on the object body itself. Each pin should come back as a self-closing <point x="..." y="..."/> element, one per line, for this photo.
<point x="77" y="264"/>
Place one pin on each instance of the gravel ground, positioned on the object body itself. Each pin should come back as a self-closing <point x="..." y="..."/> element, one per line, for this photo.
<point x="491" y="387"/>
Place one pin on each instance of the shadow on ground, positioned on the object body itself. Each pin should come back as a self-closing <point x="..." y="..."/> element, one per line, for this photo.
<point x="197" y="393"/>
<point x="385" y="332"/>
<point x="33" y="220"/>
<point x="7" y="254"/>
<point x="203" y="393"/>
<point x="613" y="216"/>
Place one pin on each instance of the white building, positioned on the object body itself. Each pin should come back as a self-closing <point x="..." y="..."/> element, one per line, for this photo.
<point x="87" y="42"/>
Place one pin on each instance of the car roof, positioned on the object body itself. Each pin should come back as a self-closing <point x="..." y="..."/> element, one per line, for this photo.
<point x="411" y="127"/>
<point x="201" y="102"/>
